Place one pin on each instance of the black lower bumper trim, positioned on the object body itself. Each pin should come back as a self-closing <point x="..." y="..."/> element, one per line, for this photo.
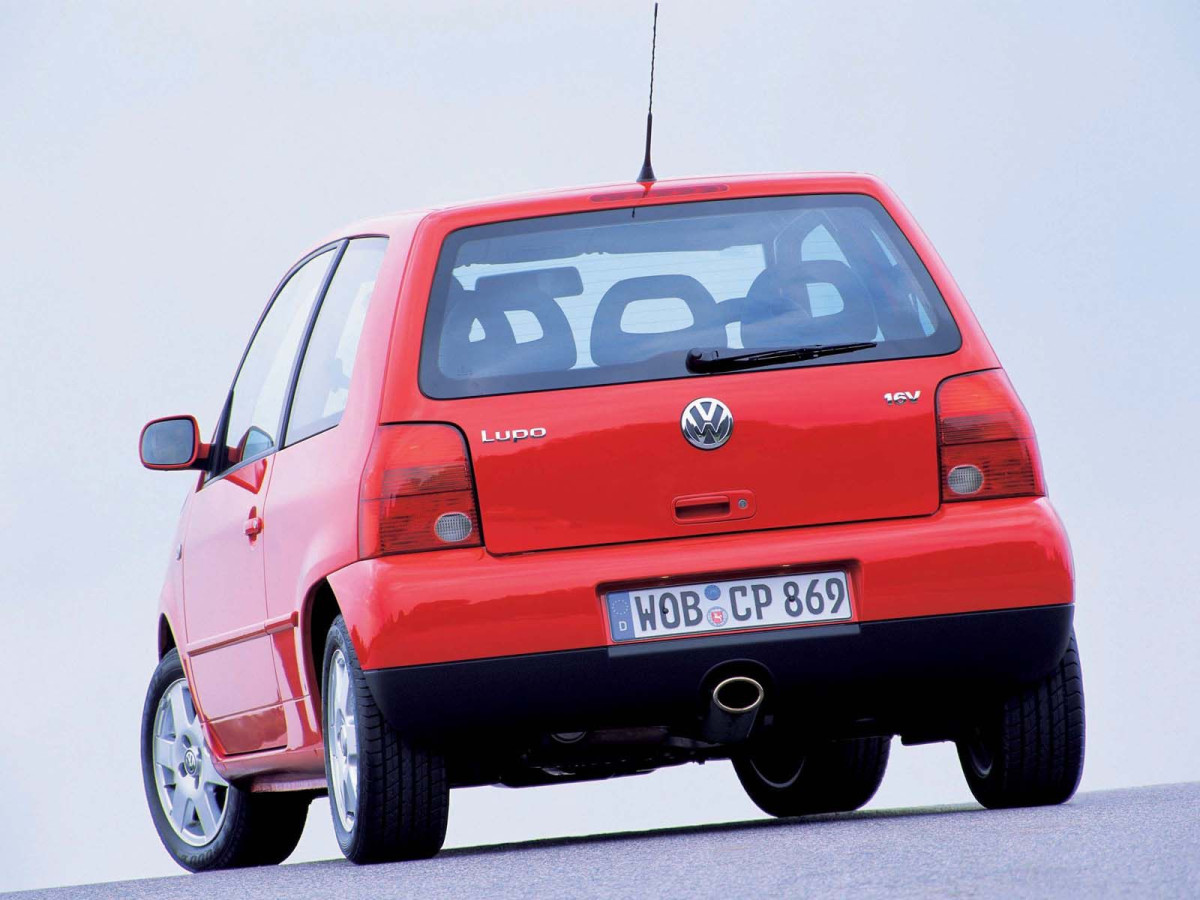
<point x="905" y="673"/>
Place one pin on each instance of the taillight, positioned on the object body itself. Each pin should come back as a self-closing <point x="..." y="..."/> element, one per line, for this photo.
<point x="986" y="440"/>
<point x="417" y="492"/>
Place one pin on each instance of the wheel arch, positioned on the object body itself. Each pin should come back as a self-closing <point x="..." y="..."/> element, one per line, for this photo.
<point x="321" y="608"/>
<point x="166" y="636"/>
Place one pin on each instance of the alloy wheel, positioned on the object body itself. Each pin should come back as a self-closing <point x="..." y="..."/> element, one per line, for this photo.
<point x="192" y="793"/>
<point x="342" y="741"/>
<point x="779" y="769"/>
<point x="980" y="753"/>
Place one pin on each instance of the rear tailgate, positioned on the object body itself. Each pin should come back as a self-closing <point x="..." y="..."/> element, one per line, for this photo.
<point x="558" y="345"/>
<point x="610" y="464"/>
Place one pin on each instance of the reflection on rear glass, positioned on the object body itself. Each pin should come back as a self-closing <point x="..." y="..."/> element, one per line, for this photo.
<point x="614" y="296"/>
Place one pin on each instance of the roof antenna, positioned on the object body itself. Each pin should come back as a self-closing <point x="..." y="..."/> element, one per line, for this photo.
<point x="646" y="176"/>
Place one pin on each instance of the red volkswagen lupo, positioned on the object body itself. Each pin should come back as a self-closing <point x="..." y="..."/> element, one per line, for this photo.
<point x="587" y="483"/>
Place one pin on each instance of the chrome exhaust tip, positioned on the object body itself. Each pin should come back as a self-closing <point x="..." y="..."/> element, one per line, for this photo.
<point x="732" y="710"/>
<point x="738" y="695"/>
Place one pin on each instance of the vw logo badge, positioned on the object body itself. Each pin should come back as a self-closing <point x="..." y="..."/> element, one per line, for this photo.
<point x="706" y="423"/>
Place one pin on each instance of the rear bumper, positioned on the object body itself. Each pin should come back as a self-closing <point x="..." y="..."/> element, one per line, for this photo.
<point x="463" y="604"/>
<point x="906" y="676"/>
<point x="975" y="596"/>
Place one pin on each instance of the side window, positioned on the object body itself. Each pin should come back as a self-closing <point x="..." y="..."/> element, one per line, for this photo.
<point x="261" y="386"/>
<point x="324" y="382"/>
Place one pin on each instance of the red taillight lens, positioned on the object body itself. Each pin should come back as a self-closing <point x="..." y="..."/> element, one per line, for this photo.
<point x="986" y="440"/>
<point x="417" y="492"/>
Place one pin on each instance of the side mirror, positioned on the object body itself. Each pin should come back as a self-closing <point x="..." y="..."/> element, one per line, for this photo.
<point x="172" y="443"/>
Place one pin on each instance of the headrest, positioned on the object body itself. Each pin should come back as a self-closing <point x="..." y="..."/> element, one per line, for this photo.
<point x="611" y="345"/>
<point x="778" y="309"/>
<point x="560" y="281"/>
<point x="497" y="351"/>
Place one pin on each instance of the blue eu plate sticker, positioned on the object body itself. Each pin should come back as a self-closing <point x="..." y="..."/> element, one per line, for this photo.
<point x="620" y="616"/>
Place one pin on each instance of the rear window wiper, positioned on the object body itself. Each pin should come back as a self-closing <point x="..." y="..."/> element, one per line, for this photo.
<point x="714" y="359"/>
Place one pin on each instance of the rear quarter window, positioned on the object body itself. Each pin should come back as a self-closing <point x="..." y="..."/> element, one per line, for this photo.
<point x="323" y="385"/>
<point x="622" y="295"/>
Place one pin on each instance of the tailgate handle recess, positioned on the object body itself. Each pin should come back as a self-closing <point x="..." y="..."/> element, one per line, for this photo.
<point x="717" y="507"/>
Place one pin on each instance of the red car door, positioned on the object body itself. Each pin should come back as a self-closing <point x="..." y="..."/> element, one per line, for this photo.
<point x="225" y="608"/>
<point x="224" y="597"/>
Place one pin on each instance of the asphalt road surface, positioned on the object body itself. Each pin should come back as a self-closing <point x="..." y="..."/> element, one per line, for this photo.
<point x="1141" y="842"/>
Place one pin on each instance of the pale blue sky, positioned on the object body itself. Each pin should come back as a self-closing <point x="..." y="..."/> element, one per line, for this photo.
<point x="162" y="165"/>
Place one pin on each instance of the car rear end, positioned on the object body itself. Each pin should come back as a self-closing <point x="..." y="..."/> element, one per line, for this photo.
<point x="572" y="536"/>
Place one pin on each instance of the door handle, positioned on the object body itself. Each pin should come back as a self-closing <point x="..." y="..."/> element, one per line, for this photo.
<point x="704" y="506"/>
<point x="721" y="507"/>
<point x="254" y="524"/>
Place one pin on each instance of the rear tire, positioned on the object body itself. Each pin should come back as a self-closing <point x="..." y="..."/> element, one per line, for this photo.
<point x="237" y="827"/>
<point x="389" y="798"/>
<point x="835" y="777"/>
<point x="1027" y="750"/>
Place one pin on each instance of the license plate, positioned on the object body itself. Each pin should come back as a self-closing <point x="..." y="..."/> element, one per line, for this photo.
<point x="729" y="605"/>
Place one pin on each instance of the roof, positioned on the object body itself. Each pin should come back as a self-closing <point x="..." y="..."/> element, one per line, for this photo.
<point x="618" y="194"/>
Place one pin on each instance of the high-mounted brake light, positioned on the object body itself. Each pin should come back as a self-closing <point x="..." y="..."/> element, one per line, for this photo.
<point x="417" y="492"/>
<point x="986" y="440"/>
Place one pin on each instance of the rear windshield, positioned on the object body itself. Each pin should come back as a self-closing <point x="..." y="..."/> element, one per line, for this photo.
<point x="622" y="295"/>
